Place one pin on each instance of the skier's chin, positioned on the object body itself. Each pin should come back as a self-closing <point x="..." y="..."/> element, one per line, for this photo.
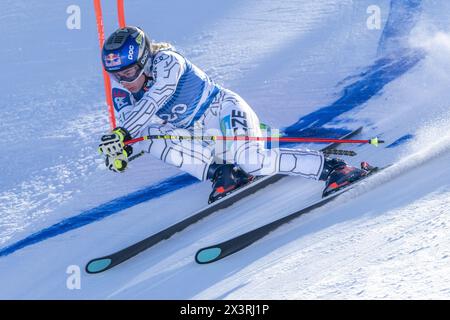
<point x="133" y="89"/>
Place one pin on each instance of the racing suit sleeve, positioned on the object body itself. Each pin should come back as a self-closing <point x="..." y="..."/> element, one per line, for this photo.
<point x="168" y="68"/>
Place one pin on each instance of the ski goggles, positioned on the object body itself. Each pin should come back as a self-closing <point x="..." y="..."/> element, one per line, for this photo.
<point x="128" y="75"/>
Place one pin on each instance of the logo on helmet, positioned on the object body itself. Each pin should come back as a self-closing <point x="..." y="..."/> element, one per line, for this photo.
<point x="139" y="39"/>
<point x="130" y="52"/>
<point x="112" y="60"/>
<point x="144" y="57"/>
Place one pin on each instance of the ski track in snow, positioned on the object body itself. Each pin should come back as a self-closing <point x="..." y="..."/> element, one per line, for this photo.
<point x="325" y="265"/>
<point x="411" y="241"/>
<point x="51" y="187"/>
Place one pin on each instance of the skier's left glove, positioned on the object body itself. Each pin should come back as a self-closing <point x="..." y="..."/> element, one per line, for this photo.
<point x="115" y="151"/>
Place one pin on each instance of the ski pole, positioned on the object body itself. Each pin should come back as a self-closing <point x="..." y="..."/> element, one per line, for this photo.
<point x="133" y="157"/>
<point x="339" y="152"/>
<point x="374" y="141"/>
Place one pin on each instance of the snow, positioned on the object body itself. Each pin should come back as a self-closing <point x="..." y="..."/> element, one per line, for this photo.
<point x="386" y="239"/>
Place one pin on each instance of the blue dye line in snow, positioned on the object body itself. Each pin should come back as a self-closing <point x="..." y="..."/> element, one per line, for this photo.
<point x="401" y="140"/>
<point x="396" y="59"/>
<point x="369" y="83"/>
<point x="103" y="211"/>
<point x="403" y="16"/>
<point x="382" y="72"/>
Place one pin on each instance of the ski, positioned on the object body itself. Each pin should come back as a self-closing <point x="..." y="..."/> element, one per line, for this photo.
<point x="219" y="251"/>
<point x="107" y="262"/>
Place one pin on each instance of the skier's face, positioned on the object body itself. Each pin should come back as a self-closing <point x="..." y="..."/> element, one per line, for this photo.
<point x="132" y="78"/>
<point x="135" y="85"/>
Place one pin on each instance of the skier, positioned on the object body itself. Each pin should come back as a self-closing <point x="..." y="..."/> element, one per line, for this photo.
<point x="157" y="91"/>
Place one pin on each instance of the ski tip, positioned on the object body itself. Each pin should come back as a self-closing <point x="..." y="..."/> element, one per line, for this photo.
<point x="98" y="265"/>
<point x="207" y="255"/>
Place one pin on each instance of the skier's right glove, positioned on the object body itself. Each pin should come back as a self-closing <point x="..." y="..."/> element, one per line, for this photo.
<point x="115" y="151"/>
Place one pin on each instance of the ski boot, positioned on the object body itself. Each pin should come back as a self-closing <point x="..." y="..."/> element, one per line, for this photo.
<point x="338" y="174"/>
<point x="226" y="178"/>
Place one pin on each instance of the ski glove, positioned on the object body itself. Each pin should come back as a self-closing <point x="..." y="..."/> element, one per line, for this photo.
<point x="115" y="151"/>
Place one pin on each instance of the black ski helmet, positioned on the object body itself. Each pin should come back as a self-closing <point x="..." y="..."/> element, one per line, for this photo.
<point x="124" y="48"/>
